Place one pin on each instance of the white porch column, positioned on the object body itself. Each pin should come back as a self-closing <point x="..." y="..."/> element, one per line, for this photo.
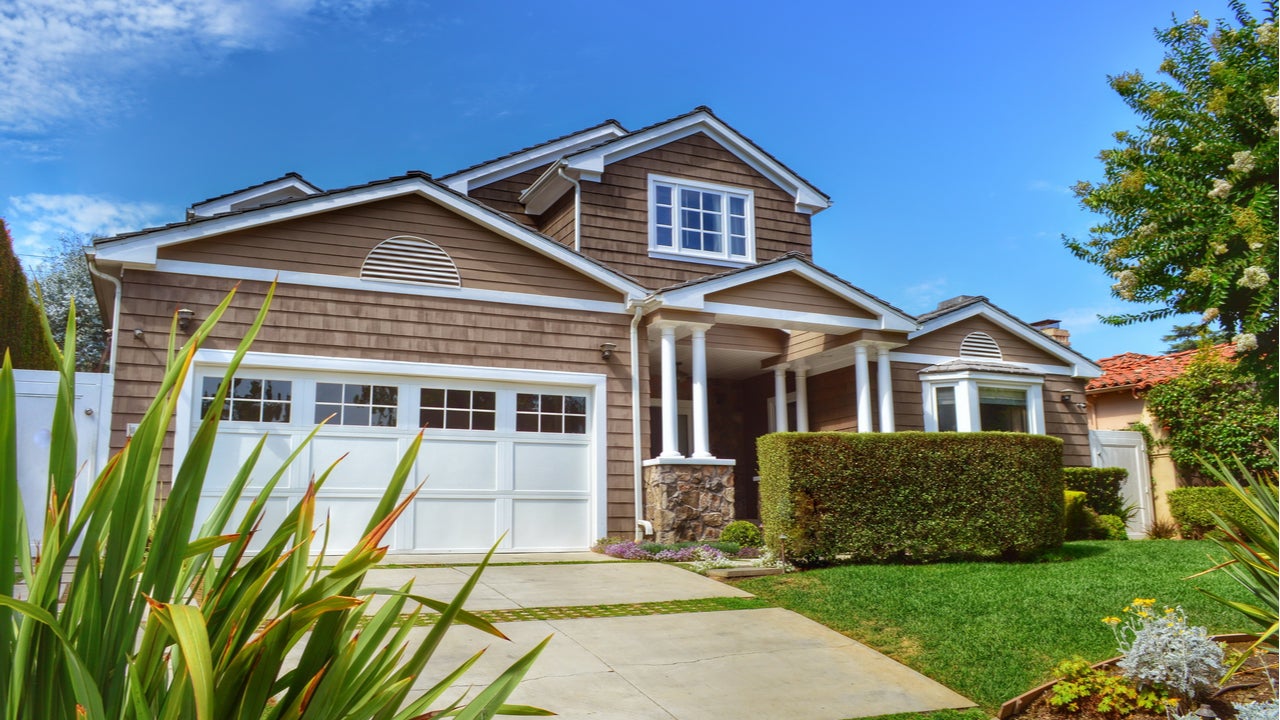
<point x="670" y="404"/>
<point x="802" y="399"/>
<point x="884" y="382"/>
<point x="700" y="428"/>
<point x="863" y="385"/>
<point x="780" y="398"/>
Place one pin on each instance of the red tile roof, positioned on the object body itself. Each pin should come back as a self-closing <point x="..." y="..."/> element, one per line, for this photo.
<point x="1139" y="372"/>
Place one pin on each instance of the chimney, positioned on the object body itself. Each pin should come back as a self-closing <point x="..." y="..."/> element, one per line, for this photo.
<point x="1050" y="328"/>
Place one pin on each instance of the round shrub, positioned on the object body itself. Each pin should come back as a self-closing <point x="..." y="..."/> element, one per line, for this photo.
<point x="1112" y="527"/>
<point x="743" y="532"/>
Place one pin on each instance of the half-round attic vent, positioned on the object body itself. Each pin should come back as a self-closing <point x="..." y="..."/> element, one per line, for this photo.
<point x="980" y="345"/>
<point x="411" y="260"/>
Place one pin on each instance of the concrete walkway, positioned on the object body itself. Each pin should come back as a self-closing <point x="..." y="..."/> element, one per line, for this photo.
<point x="767" y="662"/>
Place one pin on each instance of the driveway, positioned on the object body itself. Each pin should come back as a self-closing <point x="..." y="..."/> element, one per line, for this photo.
<point x="765" y="662"/>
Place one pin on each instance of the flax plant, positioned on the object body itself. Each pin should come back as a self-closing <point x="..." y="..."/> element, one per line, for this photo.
<point x="131" y="612"/>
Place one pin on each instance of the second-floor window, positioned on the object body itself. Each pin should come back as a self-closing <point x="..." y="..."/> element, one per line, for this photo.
<point x="700" y="220"/>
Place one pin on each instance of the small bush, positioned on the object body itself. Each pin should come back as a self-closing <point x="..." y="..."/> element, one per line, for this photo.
<point x="1078" y="521"/>
<point x="745" y="533"/>
<point x="910" y="496"/>
<point x="1102" y="485"/>
<point x="1193" y="509"/>
<point x="1162" y="529"/>
<point x="1162" y="650"/>
<point x="1112" y="527"/>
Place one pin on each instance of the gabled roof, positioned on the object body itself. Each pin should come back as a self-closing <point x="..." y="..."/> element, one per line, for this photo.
<point x="1140" y="372"/>
<point x="139" y="249"/>
<point x="968" y="306"/>
<point x="692" y="295"/>
<point x="514" y="163"/>
<point x="589" y="163"/>
<point x="289" y="185"/>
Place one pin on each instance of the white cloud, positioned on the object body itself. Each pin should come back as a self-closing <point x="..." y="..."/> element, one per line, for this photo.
<point x="923" y="297"/>
<point x="62" y="59"/>
<point x="36" y="221"/>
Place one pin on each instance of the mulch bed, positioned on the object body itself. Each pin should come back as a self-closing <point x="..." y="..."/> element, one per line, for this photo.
<point x="1248" y="684"/>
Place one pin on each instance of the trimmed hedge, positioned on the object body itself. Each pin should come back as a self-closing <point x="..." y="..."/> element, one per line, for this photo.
<point x="1078" y="523"/>
<point x="910" y="496"/>
<point x="1191" y="508"/>
<point x="1102" y="485"/>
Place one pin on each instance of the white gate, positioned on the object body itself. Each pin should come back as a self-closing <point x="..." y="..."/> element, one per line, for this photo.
<point x="1127" y="449"/>
<point x="37" y="391"/>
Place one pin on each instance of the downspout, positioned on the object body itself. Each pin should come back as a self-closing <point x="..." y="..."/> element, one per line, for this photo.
<point x="577" y="211"/>
<point x="115" y="314"/>
<point x="643" y="527"/>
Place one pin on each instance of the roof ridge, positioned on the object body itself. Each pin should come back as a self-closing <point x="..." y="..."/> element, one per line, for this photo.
<point x="535" y="146"/>
<point x="287" y="175"/>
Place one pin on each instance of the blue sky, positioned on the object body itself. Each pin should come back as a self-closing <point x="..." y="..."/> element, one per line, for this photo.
<point x="947" y="133"/>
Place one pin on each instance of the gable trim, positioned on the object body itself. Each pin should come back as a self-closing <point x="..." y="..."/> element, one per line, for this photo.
<point x="1080" y="365"/>
<point x="590" y="164"/>
<point x="140" y="250"/>
<point x="343" y="282"/>
<point x="487" y="173"/>
<point x="693" y="296"/>
<point x="926" y="359"/>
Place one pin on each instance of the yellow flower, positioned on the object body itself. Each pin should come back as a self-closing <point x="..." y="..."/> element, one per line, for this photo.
<point x="1144" y="602"/>
<point x="1112" y="620"/>
<point x="1168" y="611"/>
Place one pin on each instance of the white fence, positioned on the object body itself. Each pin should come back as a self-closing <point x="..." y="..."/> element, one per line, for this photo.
<point x="1127" y="449"/>
<point x="36" y="393"/>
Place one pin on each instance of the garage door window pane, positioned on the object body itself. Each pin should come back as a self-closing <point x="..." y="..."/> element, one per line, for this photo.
<point x="248" y="397"/>
<point x="551" y="413"/>
<point x="455" y="409"/>
<point x="357" y="405"/>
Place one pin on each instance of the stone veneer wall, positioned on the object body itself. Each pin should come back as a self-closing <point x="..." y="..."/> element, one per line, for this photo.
<point x="688" y="502"/>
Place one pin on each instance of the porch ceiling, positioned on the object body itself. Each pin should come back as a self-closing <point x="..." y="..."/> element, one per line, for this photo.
<point x="723" y="363"/>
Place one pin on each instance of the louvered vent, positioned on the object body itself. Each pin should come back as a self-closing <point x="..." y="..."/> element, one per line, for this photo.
<point x="980" y="345"/>
<point x="411" y="260"/>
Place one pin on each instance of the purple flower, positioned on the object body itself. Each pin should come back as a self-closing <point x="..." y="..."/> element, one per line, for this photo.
<point x="627" y="550"/>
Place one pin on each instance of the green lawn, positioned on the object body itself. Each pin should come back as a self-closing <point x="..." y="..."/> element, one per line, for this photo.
<point x="992" y="631"/>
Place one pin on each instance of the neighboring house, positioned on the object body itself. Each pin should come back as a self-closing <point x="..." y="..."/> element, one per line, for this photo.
<point x="608" y="316"/>
<point x="1118" y="399"/>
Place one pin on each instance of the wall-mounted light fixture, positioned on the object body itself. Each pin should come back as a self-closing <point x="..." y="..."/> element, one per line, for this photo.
<point x="1066" y="397"/>
<point x="1081" y="406"/>
<point x="138" y="333"/>
<point x="184" y="318"/>
<point x="606" y="350"/>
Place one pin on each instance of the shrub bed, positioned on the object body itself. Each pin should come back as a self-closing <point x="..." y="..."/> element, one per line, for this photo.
<point x="1193" y="507"/>
<point x="911" y="496"/>
<point x="1101" y="484"/>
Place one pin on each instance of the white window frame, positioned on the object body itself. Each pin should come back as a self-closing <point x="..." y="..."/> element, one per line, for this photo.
<point x="675" y="251"/>
<point x="968" y="410"/>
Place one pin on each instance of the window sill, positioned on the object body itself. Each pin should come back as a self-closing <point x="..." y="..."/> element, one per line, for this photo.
<point x="666" y="255"/>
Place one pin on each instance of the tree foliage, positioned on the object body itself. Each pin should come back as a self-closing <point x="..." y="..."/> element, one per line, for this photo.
<point x="1189" y="200"/>
<point x="19" y="315"/>
<point x="65" y="278"/>
<point x="1193" y="335"/>
<point x="1214" y="408"/>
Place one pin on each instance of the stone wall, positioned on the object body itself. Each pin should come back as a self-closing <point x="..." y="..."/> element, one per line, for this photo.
<point x="688" y="502"/>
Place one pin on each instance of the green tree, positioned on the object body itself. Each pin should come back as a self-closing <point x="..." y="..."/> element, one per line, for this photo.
<point x="1192" y="336"/>
<point x="63" y="278"/>
<point x="1189" y="198"/>
<point x="1214" y="408"/>
<point x="19" y="315"/>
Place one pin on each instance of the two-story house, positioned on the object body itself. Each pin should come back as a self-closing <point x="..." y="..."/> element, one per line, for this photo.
<point x="592" y="333"/>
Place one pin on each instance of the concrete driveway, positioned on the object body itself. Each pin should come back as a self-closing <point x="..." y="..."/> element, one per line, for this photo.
<point x="764" y="662"/>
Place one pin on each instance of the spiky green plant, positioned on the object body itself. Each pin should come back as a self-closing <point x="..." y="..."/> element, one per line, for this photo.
<point x="155" y="618"/>
<point x="1250" y="538"/>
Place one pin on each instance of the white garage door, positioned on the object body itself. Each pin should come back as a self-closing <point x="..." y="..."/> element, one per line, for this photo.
<point x="497" y="457"/>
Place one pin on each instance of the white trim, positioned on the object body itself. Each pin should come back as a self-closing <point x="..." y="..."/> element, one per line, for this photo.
<point x="464" y="181"/>
<point x="676" y="185"/>
<point x="140" y="251"/>
<point x="923" y="359"/>
<point x="226" y="202"/>
<point x="693" y="297"/>
<point x="687" y="461"/>
<point x="663" y="255"/>
<point x="1081" y="366"/>
<point x="340" y="282"/>
<point x="595" y="384"/>
<point x="790" y="318"/>
<point x="592" y="160"/>
<point x="967" y="384"/>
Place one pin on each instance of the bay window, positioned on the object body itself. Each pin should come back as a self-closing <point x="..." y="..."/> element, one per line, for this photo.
<point x="968" y="401"/>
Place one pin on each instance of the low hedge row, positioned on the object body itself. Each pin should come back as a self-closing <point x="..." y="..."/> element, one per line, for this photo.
<point x="910" y="496"/>
<point x="1192" y="509"/>
<point x="1102" y="485"/>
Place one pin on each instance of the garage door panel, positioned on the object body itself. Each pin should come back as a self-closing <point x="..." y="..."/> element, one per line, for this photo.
<point x="347" y="518"/>
<point x="551" y="467"/>
<point x="369" y="464"/>
<point x="458" y="465"/>
<point x="274" y="512"/>
<point x="466" y="524"/>
<point x="550" y="524"/>
<point x="231" y="449"/>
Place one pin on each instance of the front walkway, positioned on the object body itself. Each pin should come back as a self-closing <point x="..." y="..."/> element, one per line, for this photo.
<point x="765" y="662"/>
